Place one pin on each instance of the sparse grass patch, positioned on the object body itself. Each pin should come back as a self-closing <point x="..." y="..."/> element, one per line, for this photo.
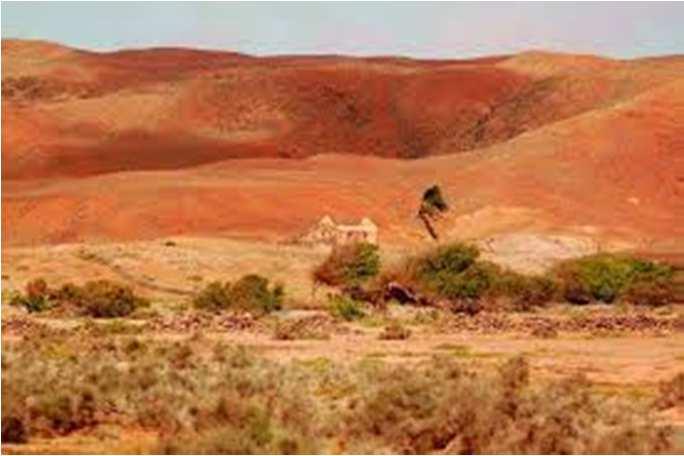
<point x="345" y="308"/>
<point x="296" y="329"/>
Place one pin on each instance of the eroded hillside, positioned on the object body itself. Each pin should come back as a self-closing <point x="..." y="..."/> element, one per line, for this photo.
<point x="109" y="146"/>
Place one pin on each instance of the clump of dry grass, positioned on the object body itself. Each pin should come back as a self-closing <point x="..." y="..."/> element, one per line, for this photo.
<point x="395" y="331"/>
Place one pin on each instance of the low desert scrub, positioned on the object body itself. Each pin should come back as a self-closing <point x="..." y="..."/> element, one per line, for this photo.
<point x="395" y="331"/>
<point x="610" y="277"/>
<point x="525" y="292"/>
<point x="671" y="392"/>
<point x="202" y="396"/>
<point x="345" y="308"/>
<point x="447" y="409"/>
<point x="35" y="298"/>
<point x="301" y="328"/>
<point x="251" y="293"/>
<point x="97" y="298"/>
<point x="349" y="265"/>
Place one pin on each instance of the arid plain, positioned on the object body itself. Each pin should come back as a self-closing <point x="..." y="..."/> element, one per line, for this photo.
<point x="165" y="170"/>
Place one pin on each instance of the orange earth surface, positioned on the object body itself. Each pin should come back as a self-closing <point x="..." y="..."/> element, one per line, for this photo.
<point x="142" y="144"/>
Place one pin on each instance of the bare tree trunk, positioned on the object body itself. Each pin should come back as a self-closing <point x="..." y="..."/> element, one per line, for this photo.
<point x="428" y="224"/>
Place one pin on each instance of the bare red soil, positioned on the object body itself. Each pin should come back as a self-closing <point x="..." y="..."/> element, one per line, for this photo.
<point x="147" y="143"/>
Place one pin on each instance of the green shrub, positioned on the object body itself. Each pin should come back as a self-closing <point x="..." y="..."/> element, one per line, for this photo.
<point x="454" y="272"/>
<point x="30" y="303"/>
<point x="349" y="265"/>
<point x="213" y="297"/>
<point x="251" y="293"/>
<point x="607" y="277"/>
<point x="345" y="308"/>
<point x="36" y="298"/>
<point x="451" y="259"/>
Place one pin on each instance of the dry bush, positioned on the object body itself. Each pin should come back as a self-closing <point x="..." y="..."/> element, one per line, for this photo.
<point x="656" y="293"/>
<point x="251" y="293"/>
<point x="524" y="292"/>
<point x="98" y="299"/>
<point x="105" y="299"/>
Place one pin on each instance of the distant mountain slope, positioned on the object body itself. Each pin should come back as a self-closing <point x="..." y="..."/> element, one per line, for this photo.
<point x="615" y="172"/>
<point x="68" y="112"/>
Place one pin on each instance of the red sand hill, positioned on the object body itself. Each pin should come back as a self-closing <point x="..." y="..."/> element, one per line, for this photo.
<point x="108" y="146"/>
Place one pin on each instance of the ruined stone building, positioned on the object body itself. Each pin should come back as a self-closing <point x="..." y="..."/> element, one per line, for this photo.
<point x="326" y="231"/>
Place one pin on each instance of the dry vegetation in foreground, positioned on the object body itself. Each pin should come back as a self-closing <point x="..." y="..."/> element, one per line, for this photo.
<point x="200" y="396"/>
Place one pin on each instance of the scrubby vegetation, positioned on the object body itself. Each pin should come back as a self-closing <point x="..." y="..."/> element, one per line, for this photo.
<point x="349" y="265"/>
<point x="36" y="297"/>
<point x="671" y="392"/>
<point x="303" y="328"/>
<point x="454" y="273"/>
<point x="610" y="277"/>
<point x="251" y="293"/>
<point x="345" y="307"/>
<point x="98" y="299"/>
<point x="200" y="396"/>
<point x="395" y="331"/>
